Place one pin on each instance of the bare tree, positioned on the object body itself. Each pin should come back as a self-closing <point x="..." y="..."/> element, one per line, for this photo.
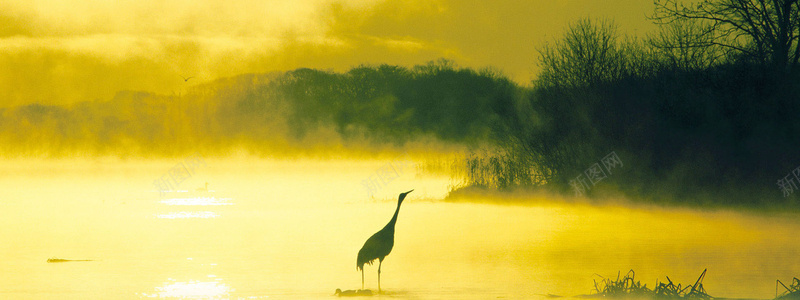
<point x="684" y="45"/>
<point x="765" y="30"/>
<point x="587" y="54"/>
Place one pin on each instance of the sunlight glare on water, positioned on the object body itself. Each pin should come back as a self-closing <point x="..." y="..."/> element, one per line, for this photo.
<point x="192" y="202"/>
<point x="292" y="229"/>
<point x="187" y="214"/>
<point x="197" y="201"/>
<point x="191" y="289"/>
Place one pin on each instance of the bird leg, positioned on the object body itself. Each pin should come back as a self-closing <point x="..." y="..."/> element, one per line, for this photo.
<point x="362" y="278"/>
<point x="379" y="275"/>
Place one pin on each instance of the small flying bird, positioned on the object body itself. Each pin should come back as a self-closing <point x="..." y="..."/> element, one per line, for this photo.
<point x="186" y="79"/>
<point x="379" y="245"/>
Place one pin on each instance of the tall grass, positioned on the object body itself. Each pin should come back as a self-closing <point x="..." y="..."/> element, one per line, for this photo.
<point x="502" y="169"/>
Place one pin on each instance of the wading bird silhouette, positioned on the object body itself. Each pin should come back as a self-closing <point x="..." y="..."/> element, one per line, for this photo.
<point x="379" y="245"/>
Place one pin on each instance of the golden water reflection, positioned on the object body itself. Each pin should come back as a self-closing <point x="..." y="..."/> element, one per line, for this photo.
<point x="293" y="229"/>
<point x="212" y="287"/>
<point x="197" y="201"/>
<point x="193" y="201"/>
<point x="188" y="215"/>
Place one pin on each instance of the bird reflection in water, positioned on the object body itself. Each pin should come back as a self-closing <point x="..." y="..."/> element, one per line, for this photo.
<point x="351" y="293"/>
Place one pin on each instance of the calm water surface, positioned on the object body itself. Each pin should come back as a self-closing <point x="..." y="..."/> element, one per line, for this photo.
<point x="292" y="229"/>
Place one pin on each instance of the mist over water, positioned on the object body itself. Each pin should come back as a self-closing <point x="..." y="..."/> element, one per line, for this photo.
<point x="269" y="228"/>
<point x="226" y="152"/>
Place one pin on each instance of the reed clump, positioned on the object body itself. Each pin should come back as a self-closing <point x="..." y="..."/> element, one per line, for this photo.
<point x="627" y="286"/>
<point x="791" y="292"/>
<point x="502" y="170"/>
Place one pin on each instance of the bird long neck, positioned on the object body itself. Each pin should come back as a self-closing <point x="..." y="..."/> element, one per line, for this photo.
<point x="394" y="218"/>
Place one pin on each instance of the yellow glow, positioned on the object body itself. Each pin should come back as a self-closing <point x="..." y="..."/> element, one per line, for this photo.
<point x="57" y="51"/>
<point x="192" y="289"/>
<point x="203" y="201"/>
<point x="188" y="215"/>
<point x="292" y="228"/>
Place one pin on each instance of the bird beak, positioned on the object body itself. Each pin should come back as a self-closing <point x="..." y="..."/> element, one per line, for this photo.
<point x="408" y="192"/>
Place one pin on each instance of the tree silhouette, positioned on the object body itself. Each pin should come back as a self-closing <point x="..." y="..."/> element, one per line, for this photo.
<point x="767" y="31"/>
<point x="587" y="54"/>
<point x="682" y="45"/>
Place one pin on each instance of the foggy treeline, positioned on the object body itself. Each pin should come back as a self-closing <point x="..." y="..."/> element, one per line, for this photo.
<point x="693" y="115"/>
<point x="267" y="113"/>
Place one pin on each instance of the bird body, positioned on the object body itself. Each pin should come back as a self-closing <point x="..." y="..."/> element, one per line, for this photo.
<point x="379" y="245"/>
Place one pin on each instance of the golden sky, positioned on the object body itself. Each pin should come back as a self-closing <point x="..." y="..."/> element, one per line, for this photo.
<point x="59" y="51"/>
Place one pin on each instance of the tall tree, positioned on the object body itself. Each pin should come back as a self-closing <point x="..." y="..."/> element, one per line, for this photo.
<point x="765" y="30"/>
<point x="684" y="45"/>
